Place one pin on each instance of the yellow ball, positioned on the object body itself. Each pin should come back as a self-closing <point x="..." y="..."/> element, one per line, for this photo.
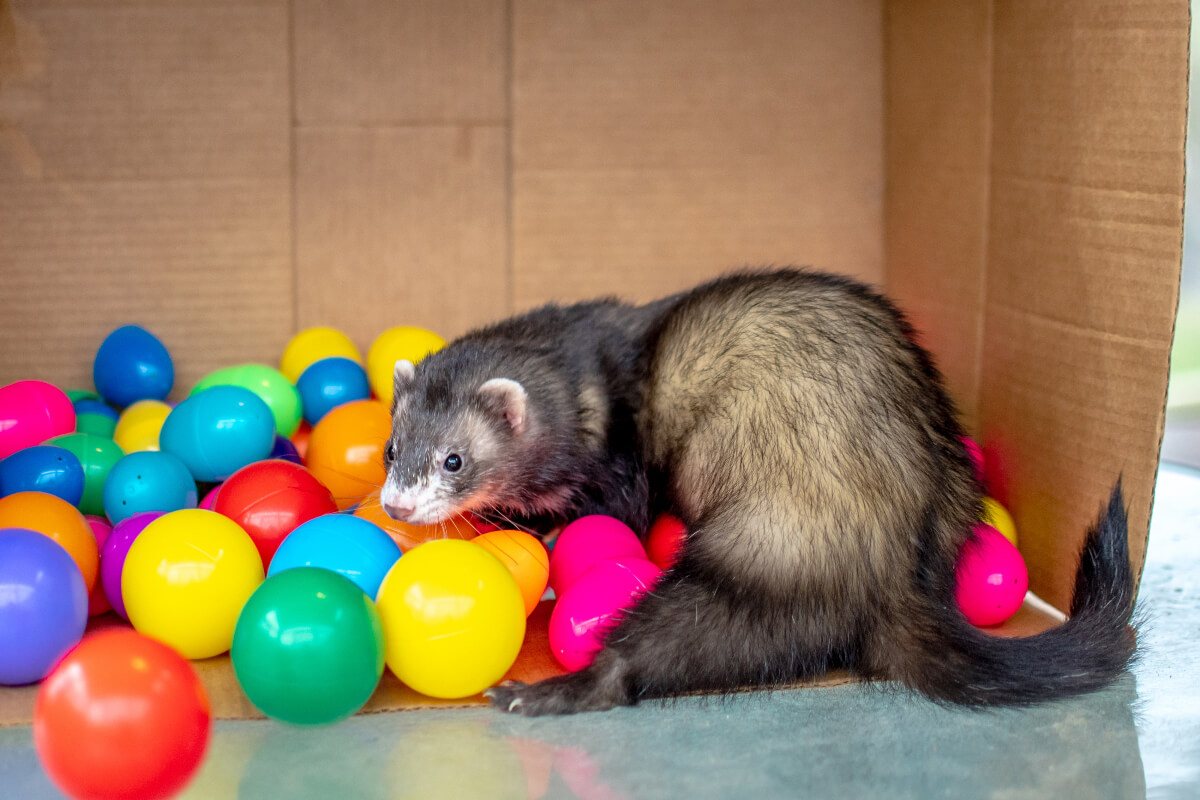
<point x="186" y="578"/>
<point x="995" y="515"/>
<point x="139" y="425"/>
<point x="396" y="344"/>
<point x="313" y="344"/>
<point x="453" y="619"/>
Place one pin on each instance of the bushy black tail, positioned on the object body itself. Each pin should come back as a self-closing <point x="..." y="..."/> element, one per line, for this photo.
<point x="960" y="664"/>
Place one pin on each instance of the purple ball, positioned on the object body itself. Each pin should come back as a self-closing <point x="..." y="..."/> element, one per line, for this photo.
<point x="285" y="450"/>
<point x="112" y="556"/>
<point x="44" y="608"/>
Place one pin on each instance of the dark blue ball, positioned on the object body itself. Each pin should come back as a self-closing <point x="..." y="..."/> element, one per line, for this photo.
<point x="45" y="468"/>
<point x="132" y="365"/>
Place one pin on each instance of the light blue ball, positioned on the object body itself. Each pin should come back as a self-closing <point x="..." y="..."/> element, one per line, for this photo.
<point x="351" y="546"/>
<point x="218" y="431"/>
<point x="329" y="383"/>
<point x="44" y="468"/>
<point x="147" y="481"/>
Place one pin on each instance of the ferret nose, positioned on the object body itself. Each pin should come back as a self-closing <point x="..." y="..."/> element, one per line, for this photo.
<point x="399" y="512"/>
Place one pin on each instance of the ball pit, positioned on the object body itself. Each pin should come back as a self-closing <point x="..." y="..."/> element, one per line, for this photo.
<point x="453" y="619"/>
<point x="186" y="578"/>
<point x="345" y="451"/>
<point x="329" y="383"/>
<point x="276" y="391"/>
<point x="96" y="455"/>
<point x="32" y="412"/>
<point x="147" y="481"/>
<point x="45" y="608"/>
<point x="269" y="499"/>
<point x="132" y="365"/>
<point x="113" y="554"/>
<point x="60" y="521"/>
<point x="43" y="468"/>
<point x="122" y="716"/>
<point x="313" y="344"/>
<point x="308" y="647"/>
<point x="585" y="612"/>
<point x="395" y="344"/>
<point x="218" y="431"/>
<point x="350" y="546"/>
<point x="139" y="426"/>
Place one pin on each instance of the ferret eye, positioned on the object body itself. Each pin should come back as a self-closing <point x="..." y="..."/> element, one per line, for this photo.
<point x="389" y="454"/>
<point x="453" y="463"/>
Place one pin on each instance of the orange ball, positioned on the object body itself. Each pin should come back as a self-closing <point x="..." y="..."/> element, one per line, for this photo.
<point x="58" y="519"/>
<point x="525" y="557"/>
<point x="408" y="536"/>
<point x="345" y="450"/>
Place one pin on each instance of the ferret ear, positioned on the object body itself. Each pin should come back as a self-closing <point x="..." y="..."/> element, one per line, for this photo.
<point x="403" y="375"/>
<point x="506" y="398"/>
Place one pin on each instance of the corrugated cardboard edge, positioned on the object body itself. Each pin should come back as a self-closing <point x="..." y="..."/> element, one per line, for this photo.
<point x="534" y="663"/>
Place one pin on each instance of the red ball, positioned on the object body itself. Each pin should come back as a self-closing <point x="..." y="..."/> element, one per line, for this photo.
<point x="664" y="540"/>
<point x="122" y="717"/>
<point x="270" y="499"/>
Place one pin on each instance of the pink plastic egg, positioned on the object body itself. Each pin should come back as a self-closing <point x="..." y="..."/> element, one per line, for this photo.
<point x="586" y="542"/>
<point x="975" y="453"/>
<point x="583" y="614"/>
<point x="32" y="412"/>
<point x="992" y="579"/>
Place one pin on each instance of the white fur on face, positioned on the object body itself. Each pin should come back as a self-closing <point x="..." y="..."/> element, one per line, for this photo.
<point x="423" y="503"/>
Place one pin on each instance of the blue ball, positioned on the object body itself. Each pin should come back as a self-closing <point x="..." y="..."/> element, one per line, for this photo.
<point x="86" y="405"/>
<point x="284" y="450"/>
<point x="147" y="481"/>
<point x="132" y="365"/>
<point x="350" y="546"/>
<point x="44" y="609"/>
<point x="45" y="468"/>
<point x="218" y="431"/>
<point x="329" y="383"/>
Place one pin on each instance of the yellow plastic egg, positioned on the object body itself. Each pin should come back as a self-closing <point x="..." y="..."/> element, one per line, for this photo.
<point x="138" y="426"/>
<point x="396" y="344"/>
<point x="313" y="344"/>
<point x="453" y="619"/>
<point x="186" y="578"/>
<point x="998" y="517"/>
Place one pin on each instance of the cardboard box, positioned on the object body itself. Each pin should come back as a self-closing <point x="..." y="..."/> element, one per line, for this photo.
<point x="228" y="173"/>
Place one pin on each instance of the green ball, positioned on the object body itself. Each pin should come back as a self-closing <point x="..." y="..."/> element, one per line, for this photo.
<point x="96" y="455"/>
<point x="280" y="395"/>
<point x="80" y="394"/>
<point x="95" y="424"/>
<point x="308" y="647"/>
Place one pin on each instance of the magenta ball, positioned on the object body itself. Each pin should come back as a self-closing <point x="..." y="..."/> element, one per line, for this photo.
<point x="586" y="542"/>
<point x="32" y="412"/>
<point x="210" y="500"/>
<point x="583" y="615"/>
<point x="975" y="453"/>
<point x="992" y="579"/>
<point x="112" y="556"/>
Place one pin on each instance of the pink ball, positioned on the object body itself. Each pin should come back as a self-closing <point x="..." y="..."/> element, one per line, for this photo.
<point x="582" y="616"/>
<point x="975" y="453"/>
<point x="32" y="412"/>
<point x="992" y="579"/>
<point x="586" y="542"/>
<point x="210" y="500"/>
<point x="98" y="601"/>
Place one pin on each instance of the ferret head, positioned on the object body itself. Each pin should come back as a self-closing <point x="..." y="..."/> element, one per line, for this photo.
<point x="453" y="439"/>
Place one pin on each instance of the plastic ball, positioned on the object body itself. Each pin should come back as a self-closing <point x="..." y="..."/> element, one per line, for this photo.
<point x="149" y="481"/>
<point x="284" y="450"/>
<point x="139" y="426"/>
<point x="408" y="536"/>
<point x="396" y="344"/>
<point x="268" y="383"/>
<point x="269" y="499"/>
<point x="113" y="553"/>
<point x="453" y="619"/>
<point x="313" y="344"/>
<point x="186" y="578"/>
<point x="587" y="610"/>
<point x="59" y="520"/>
<point x="525" y="557"/>
<point x="218" y="431"/>
<point x="97" y="455"/>
<point x="586" y="542"/>
<point x="32" y="412"/>
<point x="664" y="541"/>
<point x="345" y="451"/>
<point x="132" y="365"/>
<point x="43" y="608"/>
<point x="991" y="578"/>
<point x="350" y="546"/>
<point x="94" y="416"/>
<point x="998" y="517"/>
<point x="80" y="394"/>
<point x="122" y="717"/>
<point x="300" y="438"/>
<point x="329" y="383"/>
<point x="43" y="468"/>
<point x="209" y="502"/>
<point x="975" y="454"/>
<point x="97" y="600"/>
<point x="308" y="647"/>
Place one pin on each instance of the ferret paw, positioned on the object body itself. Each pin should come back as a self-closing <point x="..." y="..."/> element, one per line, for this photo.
<point x="566" y="694"/>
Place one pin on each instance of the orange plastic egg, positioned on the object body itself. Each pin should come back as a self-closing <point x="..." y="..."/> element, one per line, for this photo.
<point x="345" y="450"/>
<point x="525" y="557"/>
<point x="58" y="519"/>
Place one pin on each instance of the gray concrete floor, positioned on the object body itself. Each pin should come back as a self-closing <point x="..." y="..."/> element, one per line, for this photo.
<point x="1141" y="738"/>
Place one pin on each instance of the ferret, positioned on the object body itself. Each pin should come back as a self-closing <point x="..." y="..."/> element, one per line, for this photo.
<point x="793" y="423"/>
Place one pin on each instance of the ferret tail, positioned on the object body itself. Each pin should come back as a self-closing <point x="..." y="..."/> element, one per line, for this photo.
<point x="957" y="663"/>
